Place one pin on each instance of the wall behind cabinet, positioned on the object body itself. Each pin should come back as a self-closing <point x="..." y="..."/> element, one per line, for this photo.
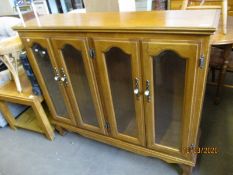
<point x="6" y="7"/>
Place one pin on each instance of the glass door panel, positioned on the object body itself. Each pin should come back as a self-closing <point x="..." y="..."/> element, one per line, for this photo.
<point x="169" y="75"/>
<point x="119" y="68"/>
<point x="46" y="71"/>
<point x="81" y="86"/>
<point x="120" y="79"/>
<point x="74" y="61"/>
<point x="168" y="83"/>
<point x="52" y="86"/>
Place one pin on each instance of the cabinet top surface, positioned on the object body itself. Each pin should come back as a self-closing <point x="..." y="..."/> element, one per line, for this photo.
<point x="174" y="20"/>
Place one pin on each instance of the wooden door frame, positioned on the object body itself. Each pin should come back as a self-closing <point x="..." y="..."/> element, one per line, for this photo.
<point x="131" y="47"/>
<point x="190" y="51"/>
<point x="44" y="42"/>
<point x="80" y="44"/>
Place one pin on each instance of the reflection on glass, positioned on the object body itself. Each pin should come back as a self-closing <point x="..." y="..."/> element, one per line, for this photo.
<point x="120" y="79"/>
<point x="47" y="71"/>
<point x="74" y="61"/>
<point x="169" y="78"/>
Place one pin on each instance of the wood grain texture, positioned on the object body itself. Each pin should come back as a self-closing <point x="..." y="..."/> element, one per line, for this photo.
<point x="189" y="51"/>
<point x="170" y="38"/>
<point x="45" y="43"/>
<point x="177" y="4"/>
<point x="130" y="47"/>
<point x="42" y="119"/>
<point x="80" y="45"/>
<point x="27" y="120"/>
<point x="188" y="5"/>
<point x="197" y="20"/>
<point x="138" y="36"/>
<point x="8" y="93"/>
<point x="219" y="38"/>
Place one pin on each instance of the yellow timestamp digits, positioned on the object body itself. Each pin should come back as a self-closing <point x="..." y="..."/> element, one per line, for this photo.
<point x="200" y="150"/>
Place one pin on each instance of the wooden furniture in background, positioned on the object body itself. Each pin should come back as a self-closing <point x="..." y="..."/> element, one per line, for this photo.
<point x="187" y="5"/>
<point x="38" y="122"/>
<point x="160" y="4"/>
<point x="177" y="5"/>
<point x="20" y="91"/>
<point x="29" y="13"/>
<point x="222" y="60"/>
<point x="221" y="57"/>
<point x="10" y="49"/>
<point x="230" y="5"/>
<point x="114" y="80"/>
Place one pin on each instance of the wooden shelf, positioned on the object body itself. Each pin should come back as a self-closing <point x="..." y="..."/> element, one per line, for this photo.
<point x="35" y="118"/>
<point x="9" y="89"/>
<point x="27" y="120"/>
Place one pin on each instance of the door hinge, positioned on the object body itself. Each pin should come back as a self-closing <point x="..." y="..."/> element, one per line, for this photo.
<point x="107" y="126"/>
<point x="202" y="61"/>
<point x="92" y="53"/>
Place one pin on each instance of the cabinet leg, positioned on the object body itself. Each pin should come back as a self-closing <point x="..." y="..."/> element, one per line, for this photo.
<point x="7" y="114"/>
<point x="42" y="118"/>
<point x="60" y="130"/>
<point x="187" y="170"/>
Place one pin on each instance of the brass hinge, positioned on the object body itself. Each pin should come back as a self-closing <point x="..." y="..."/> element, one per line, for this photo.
<point x="107" y="126"/>
<point x="202" y="61"/>
<point x="92" y="53"/>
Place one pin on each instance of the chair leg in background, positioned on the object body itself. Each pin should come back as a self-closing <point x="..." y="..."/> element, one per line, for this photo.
<point x="213" y="78"/>
<point x="222" y="74"/>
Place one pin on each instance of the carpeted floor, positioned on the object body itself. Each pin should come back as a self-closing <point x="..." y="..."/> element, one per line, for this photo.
<point x="27" y="153"/>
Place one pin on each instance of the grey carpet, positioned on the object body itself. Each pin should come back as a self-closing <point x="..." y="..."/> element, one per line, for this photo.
<point x="27" y="153"/>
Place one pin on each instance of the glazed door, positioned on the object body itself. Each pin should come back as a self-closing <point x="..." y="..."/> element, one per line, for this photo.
<point x="170" y="68"/>
<point x="80" y="81"/>
<point x="118" y="66"/>
<point x="47" y="72"/>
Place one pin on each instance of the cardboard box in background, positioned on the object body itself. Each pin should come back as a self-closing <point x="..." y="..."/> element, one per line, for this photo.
<point x="101" y="6"/>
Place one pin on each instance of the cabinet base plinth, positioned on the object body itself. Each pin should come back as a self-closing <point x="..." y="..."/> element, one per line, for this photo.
<point x="125" y="145"/>
<point x="60" y="130"/>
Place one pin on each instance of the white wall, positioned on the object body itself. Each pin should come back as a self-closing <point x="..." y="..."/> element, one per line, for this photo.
<point x="143" y="5"/>
<point x="6" y="7"/>
<point x="101" y="5"/>
<point x="126" y="5"/>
